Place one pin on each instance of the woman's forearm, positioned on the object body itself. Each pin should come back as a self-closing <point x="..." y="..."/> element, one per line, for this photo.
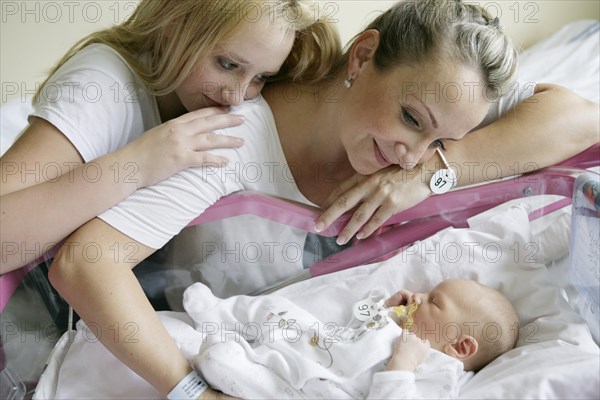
<point x="551" y="126"/>
<point x="105" y="293"/>
<point x="36" y="217"/>
<point x="47" y="193"/>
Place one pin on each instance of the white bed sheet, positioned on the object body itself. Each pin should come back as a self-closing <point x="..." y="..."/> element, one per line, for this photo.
<point x="556" y="356"/>
<point x="570" y="57"/>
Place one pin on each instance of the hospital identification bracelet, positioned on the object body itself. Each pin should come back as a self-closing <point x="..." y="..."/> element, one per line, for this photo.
<point x="444" y="179"/>
<point x="189" y="388"/>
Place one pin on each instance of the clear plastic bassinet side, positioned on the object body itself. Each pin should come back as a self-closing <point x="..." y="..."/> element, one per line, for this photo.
<point x="30" y="327"/>
<point x="584" y="261"/>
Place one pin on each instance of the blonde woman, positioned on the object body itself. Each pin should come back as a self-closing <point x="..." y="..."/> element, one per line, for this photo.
<point x="130" y="106"/>
<point x="381" y="117"/>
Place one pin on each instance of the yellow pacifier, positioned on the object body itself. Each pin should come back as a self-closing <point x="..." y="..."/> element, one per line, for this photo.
<point x="405" y="315"/>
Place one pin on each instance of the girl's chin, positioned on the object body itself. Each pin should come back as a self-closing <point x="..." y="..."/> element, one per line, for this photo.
<point x="364" y="168"/>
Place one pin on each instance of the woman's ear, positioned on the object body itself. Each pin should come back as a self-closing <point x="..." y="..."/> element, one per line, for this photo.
<point x="463" y="348"/>
<point x="363" y="50"/>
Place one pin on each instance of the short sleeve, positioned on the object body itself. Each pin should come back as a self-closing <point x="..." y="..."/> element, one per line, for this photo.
<point x="93" y="99"/>
<point x="153" y="215"/>
<point x="518" y="93"/>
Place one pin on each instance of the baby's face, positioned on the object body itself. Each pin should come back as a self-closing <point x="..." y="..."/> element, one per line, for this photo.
<point x="440" y="316"/>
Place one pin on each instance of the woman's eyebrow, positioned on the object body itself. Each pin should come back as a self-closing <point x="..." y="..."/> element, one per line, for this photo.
<point x="243" y="62"/>
<point x="431" y="117"/>
<point x="237" y="58"/>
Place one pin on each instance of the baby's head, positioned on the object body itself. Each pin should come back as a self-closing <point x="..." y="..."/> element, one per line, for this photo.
<point x="466" y="320"/>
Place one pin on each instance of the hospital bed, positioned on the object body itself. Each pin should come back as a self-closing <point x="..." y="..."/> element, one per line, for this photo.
<point x="521" y="235"/>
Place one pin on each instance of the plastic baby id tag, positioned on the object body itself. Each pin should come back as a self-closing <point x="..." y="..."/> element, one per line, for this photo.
<point x="444" y="179"/>
<point x="364" y="309"/>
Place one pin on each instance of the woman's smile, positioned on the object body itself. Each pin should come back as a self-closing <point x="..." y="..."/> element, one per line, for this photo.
<point x="380" y="156"/>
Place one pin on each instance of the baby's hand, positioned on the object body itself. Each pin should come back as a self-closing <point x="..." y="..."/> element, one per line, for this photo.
<point x="409" y="353"/>
<point x="401" y="298"/>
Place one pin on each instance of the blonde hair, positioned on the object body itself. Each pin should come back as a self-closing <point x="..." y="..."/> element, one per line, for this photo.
<point x="177" y="34"/>
<point x="418" y="31"/>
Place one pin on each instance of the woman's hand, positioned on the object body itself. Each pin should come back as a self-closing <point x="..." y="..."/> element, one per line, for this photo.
<point x="180" y="143"/>
<point x="377" y="197"/>
<point x="409" y="353"/>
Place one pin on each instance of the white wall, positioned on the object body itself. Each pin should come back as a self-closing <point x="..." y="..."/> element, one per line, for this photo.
<point x="35" y="33"/>
<point x="526" y="21"/>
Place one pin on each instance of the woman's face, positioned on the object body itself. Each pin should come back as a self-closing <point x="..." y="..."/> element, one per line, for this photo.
<point x="238" y="68"/>
<point x="400" y="116"/>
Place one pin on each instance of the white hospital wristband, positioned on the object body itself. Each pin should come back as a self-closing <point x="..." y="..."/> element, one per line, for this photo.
<point x="189" y="388"/>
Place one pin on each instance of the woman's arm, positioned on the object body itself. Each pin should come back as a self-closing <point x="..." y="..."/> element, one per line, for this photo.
<point x="550" y="126"/>
<point x="103" y="290"/>
<point x="93" y="272"/>
<point x="48" y="192"/>
<point x="547" y="128"/>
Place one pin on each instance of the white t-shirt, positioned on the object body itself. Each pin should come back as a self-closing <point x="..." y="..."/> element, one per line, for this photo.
<point x="97" y="102"/>
<point x="232" y="256"/>
<point x="153" y="215"/>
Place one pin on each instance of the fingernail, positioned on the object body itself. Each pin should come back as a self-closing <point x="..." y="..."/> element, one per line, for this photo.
<point x="360" y="235"/>
<point x="341" y="240"/>
<point x="239" y="141"/>
<point x="319" y="226"/>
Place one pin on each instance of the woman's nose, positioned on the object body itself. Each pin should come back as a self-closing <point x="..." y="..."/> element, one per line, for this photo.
<point x="253" y="90"/>
<point x="410" y="156"/>
<point x="233" y="94"/>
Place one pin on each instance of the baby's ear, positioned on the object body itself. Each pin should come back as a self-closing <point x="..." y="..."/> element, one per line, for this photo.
<point x="462" y="348"/>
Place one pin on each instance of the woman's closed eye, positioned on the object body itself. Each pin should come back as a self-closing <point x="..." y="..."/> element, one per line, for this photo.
<point x="409" y="119"/>
<point x="262" y="78"/>
<point x="432" y="300"/>
<point x="438" y="143"/>
<point x="227" y="64"/>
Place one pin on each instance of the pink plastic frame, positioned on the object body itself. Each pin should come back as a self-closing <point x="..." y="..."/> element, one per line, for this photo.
<point x="430" y="216"/>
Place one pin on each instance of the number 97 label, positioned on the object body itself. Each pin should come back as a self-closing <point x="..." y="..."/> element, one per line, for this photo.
<point x="364" y="309"/>
<point x="442" y="181"/>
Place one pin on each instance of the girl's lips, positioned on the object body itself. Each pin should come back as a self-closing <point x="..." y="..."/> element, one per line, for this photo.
<point x="380" y="157"/>
<point x="211" y="102"/>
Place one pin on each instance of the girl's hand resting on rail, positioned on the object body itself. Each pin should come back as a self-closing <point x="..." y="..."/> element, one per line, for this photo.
<point x="376" y="197"/>
<point x="179" y="144"/>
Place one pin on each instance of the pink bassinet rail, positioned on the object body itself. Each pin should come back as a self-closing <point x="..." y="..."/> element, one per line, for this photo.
<point x="435" y="213"/>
